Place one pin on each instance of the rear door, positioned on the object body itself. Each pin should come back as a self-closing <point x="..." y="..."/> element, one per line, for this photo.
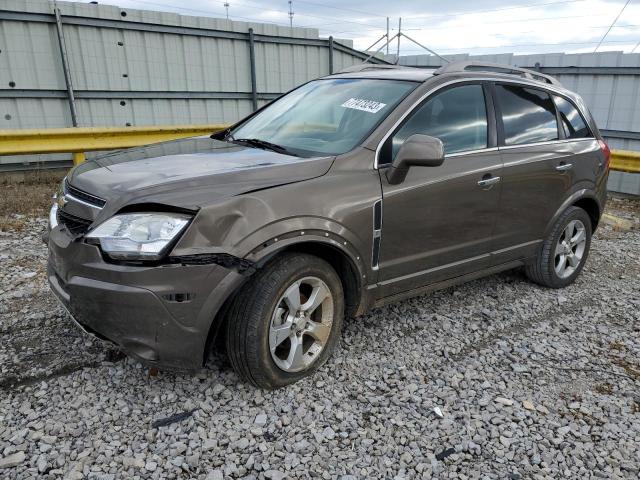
<point x="537" y="168"/>
<point x="439" y="222"/>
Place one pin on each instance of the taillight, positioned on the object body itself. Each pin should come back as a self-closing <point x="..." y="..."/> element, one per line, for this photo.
<point x="604" y="148"/>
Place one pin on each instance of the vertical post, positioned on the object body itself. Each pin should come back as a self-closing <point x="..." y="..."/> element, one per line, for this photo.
<point x="388" y="40"/>
<point x="65" y="66"/>
<point x="399" y="35"/>
<point x="290" y="14"/>
<point x="252" y="61"/>
<point x="78" y="158"/>
<point x="330" y="55"/>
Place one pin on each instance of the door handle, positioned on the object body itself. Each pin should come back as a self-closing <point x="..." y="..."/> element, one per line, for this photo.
<point x="563" y="167"/>
<point x="488" y="182"/>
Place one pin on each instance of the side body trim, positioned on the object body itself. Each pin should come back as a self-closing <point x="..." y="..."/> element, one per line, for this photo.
<point x="448" y="283"/>
<point x="377" y="234"/>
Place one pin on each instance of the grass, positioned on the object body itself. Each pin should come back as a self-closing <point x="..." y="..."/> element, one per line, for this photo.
<point x="26" y="196"/>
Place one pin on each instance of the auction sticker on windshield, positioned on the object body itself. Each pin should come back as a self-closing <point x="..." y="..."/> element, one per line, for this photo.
<point x="370" y="106"/>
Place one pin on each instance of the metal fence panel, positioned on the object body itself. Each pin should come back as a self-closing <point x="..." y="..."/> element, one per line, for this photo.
<point x="34" y="113"/>
<point x="621" y="182"/>
<point x="342" y="61"/>
<point x="30" y="57"/>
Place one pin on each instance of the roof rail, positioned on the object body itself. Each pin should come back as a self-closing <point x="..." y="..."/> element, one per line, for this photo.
<point x="369" y="66"/>
<point x="469" y="66"/>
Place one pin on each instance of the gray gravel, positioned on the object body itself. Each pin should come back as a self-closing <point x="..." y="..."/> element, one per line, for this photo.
<point x="497" y="378"/>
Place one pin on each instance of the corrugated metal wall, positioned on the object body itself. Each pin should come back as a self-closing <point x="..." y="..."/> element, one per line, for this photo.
<point x="139" y="67"/>
<point x="609" y="82"/>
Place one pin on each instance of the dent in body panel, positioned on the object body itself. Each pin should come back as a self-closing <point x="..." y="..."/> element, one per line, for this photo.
<point x="218" y="228"/>
<point x="333" y="208"/>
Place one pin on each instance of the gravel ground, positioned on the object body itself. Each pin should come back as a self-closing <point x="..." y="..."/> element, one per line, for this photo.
<point x="497" y="378"/>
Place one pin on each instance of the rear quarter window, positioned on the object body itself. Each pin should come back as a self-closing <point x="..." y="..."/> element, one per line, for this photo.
<point x="572" y="122"/>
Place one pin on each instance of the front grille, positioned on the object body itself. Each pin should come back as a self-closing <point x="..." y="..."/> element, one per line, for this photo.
<point x="82" y="195"/>
<point x="75" y="225"/>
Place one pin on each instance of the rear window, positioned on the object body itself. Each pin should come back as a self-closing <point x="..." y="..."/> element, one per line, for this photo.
<point x="572" y="122"/>
<point x="528" y="115"/>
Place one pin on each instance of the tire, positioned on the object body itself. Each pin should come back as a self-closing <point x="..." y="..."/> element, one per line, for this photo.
<point x="547" y="268"/>
<point x="261" y="303"/>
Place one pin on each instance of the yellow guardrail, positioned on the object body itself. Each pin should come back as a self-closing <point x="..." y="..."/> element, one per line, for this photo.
<point x="80" y="140"/>
<point x="625" y="161"/>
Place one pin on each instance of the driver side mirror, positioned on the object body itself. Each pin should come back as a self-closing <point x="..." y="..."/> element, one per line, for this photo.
<point x="416" y="151"/>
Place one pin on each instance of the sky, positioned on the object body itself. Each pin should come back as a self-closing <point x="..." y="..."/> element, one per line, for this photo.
<point x="447" y="27"/>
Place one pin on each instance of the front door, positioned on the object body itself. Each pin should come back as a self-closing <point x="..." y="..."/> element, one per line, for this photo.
<point x="439" y="222"/>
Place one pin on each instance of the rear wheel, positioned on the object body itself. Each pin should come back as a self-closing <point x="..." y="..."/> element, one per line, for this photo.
<point x="564" y="252"/>
<point x="286" y="321"/>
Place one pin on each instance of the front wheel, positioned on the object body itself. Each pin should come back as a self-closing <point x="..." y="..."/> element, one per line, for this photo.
<point x="564" y="252"/>
<point x="286" y="321"/>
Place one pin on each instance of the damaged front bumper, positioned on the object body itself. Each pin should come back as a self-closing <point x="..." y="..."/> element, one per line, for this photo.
<point x="160" y="314"/>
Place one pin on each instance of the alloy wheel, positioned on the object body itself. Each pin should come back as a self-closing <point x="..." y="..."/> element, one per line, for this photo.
<point x="570" y="248"/>
<point x="301" y="324"/>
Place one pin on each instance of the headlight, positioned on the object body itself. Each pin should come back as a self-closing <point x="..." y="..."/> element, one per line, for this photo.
<point x="139" y="236"/>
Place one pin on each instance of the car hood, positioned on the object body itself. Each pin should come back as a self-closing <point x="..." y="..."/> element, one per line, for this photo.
<point x="190" y="173"/>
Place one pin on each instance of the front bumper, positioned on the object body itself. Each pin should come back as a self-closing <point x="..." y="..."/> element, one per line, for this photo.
<point x="162" y="315"/>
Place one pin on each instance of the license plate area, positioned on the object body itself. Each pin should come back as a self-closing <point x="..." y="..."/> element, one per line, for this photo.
<point x="59" y="242"/>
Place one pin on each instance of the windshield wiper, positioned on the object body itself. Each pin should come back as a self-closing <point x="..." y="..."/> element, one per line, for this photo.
<point x="256" y="142"/>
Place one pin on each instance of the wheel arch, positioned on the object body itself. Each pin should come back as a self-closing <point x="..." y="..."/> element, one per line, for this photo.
<point x="341" y="262"/>
<point x="590" y="205"/>
<point x="583" y="198"/>
<point x="348" y="268"/>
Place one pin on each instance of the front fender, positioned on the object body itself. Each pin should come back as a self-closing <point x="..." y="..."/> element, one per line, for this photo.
<point x="252" y="228"/>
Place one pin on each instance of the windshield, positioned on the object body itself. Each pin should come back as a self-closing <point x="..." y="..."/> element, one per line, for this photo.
<point x="324" y="117"/>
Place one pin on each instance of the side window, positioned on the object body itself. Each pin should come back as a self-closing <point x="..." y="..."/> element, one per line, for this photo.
<point x="572" y="122"/>
<point x="528" y="115"/>
<point x="457" y="116"/>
